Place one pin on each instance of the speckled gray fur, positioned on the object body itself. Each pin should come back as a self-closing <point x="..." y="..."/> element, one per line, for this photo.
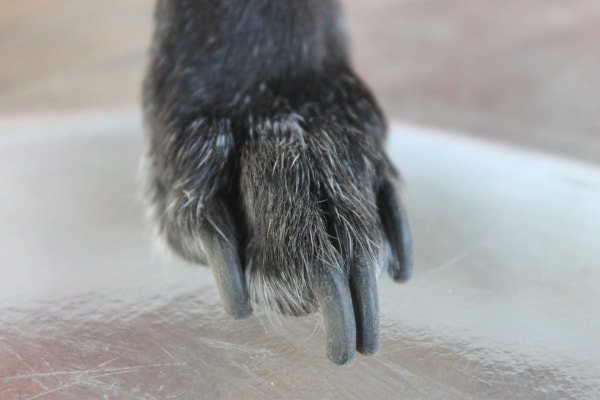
<point x="266" y="161"/>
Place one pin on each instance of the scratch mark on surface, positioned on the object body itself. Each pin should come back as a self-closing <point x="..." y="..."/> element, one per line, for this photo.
<point x="221" y="345"/>
<point x="108" y="362"/>
<point x="406" y="374"/>
<point x="57" y="389"/>
<point x="40" y="384"/>
<point x="168" y="353"/>
<point x="51" y="368"/>
<point x="114" y="373"/>
<point x="85" y="378"/>
<point x="405" y="348"/>
<point x="450" y="263"/>
<point x="90" y="371"/>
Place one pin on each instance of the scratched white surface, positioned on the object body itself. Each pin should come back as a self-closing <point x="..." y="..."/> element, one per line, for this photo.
<point x="504" y="304"/>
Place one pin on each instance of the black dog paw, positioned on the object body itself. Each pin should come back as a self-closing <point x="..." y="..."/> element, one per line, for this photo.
<point x="266" y="161"/>
<point x="298" y="215"/>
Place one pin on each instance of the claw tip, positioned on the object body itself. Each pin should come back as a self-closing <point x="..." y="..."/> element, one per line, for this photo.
<point x="341" y="359"/>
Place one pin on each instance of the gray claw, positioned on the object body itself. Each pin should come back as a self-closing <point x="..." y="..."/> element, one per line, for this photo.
<point x="335" y="302"/>
<point x="363" y="286"/>
<point x="222" y="253"/>
<point x="395" y="222"/>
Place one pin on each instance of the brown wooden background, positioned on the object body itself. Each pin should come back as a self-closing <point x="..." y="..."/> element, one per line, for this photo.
<point x="523" y="72"/>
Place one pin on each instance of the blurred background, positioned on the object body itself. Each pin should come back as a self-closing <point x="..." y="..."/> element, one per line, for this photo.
<point x="521" y="72"/>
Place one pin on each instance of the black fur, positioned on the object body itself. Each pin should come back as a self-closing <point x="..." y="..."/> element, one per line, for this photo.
<point x="266" y="160"/>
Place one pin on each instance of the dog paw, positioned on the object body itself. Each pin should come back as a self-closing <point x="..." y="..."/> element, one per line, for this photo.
<point x="289" y="198"/>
